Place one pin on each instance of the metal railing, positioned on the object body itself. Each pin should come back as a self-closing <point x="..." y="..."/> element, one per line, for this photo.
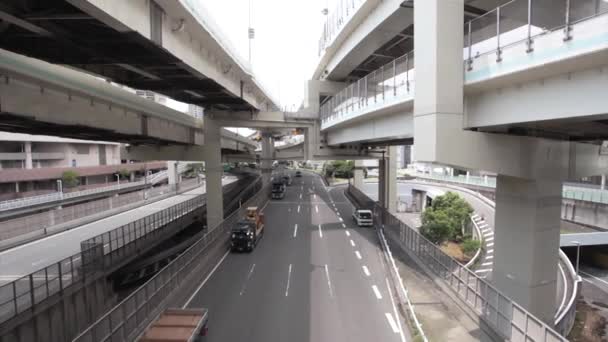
<point x="514" y="23"/>
<point x="127" y="320"/>
<point x="391" y="81"/>
<point x="335" y="21"/>
<point x="25" y="292"/>
<point x="505" y="317"/>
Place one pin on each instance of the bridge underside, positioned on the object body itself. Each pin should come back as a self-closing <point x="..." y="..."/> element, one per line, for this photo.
<point x="52" y="30"/>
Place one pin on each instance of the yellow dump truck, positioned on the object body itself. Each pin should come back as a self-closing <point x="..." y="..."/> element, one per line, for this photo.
<point x="247" y="232"/>
<point x="178" y="325"/>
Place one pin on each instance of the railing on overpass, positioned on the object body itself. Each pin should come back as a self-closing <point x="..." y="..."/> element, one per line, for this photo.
<point x="335" y="21"/>
<point x="504" y="316"/>
<point x="127" y="320"/>
<point x="512" y="24"/>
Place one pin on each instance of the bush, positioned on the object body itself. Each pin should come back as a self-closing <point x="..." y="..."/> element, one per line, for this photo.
<point x="444" y="219"/>
<point x="340" y="169"/>
<point x="70" y="179"/>
<point x="470" y="246"/>
<point x="124" y="174"/>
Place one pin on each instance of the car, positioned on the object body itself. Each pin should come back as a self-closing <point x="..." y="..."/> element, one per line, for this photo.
<point x="363" y="217"/>
<point x="298" y="173"/>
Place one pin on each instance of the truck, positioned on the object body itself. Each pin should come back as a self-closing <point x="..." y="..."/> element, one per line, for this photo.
<point x="246" y="234"/>
<point x="178" y="325"/>
<point x="278" y="189"/>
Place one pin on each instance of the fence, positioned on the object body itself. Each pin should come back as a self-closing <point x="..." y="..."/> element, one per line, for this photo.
<point x="26" y="292"/>
<point x="512" y="24"/>
<point x="505" y="317"/>
<point x="130" y="317"/>
<point x="334" y="21"/>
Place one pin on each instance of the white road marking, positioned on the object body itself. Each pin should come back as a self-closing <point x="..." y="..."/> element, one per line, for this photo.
<point x="358" y="255"/>
<point x="377" y="292"/>
<point x="366" y="270"/>
<point x="352" y="243"/>
<point x="347" y="233"/>
<point x="341" y="220"/>
<point x="316" y="208"/>
<point x="320" y="231"/>
<point x="205" y="280"/>
<point x="485" y="270"/>
<point x="295" y="230"/>
<point x="390" y="295"/>
<point x="331" y="294"/>
<point x="491" y="244"/>
<point x="489" y="257"/>
<point x="314" y="196"/>
<point x="486" y="264"/>
<point x="300" y="196"/>
<point x="343" y="225"/>
<point x="490" y="251"/>
<point x="298" y="208"/>
<point x="391" y="322"/>
<point x="489" y="239"/>
<point x="247" y="280"/>
<point x="288" y="280"/>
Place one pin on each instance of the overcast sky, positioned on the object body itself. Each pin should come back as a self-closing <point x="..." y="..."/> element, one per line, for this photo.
<point x="284" y="51"/>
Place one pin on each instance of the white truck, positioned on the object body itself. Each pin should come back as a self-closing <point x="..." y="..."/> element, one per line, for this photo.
<point x="363" y="217"/>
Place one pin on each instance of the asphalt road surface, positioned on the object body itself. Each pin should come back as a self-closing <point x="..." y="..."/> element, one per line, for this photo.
<point x="31" y="257"/>
<point x="314" y="276"/>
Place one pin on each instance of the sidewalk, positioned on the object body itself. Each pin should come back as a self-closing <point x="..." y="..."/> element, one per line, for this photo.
<point x="440" y="316"/>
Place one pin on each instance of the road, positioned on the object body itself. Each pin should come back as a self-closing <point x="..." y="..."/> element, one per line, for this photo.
<point x="313" y="277"/>
<point x="31" y="257"/>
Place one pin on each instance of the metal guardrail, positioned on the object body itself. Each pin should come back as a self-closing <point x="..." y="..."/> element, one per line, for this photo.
<point x="127" y="320"/>
<point x="509" y="25"/>
<point x="335" y="21"/>
<point x="505" y="317"/>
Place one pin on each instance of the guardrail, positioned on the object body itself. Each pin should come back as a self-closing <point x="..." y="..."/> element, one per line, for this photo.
<point x="511" y="24"/>
<point x="335" y="21"/>
<point x="505" y="317"/>
<point x="127" y="320"/>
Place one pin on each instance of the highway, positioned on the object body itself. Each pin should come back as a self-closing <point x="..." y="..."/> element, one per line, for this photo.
<point x="314" y="276"/>
<point x="33" y="256"/>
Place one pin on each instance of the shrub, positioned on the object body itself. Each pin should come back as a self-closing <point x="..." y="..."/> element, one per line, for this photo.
<point x="70" y="179"/>
<point x="445" y="218"/>
<point x="470" y="246"/>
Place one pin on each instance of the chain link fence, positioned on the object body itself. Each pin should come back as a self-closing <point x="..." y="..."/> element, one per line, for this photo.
<point x="509" y="320"/>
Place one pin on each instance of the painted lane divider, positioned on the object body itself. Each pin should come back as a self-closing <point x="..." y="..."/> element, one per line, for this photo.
<point x="247" y="280"/>
<point x="352" y="243"/>
<point x="295" y="230"/>
<point x="377" y="292"/>
<point x="331" y="294"/>
<point x="358" y="255"/>
<point x="288" y="281"/>
<point x="320" y="232"/>
<point x="366" y="271"/>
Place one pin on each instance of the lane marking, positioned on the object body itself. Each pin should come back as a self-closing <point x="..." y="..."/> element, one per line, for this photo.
<point x="320" y="231"/>
<point x="288" y="281"/>
<point x="341" y="220"/>
<point x="486" y="264"/>
<point x="300" y="196"/>
<point x="343" y="225"/>
<point x="390" y="294"/>
<point x="205" y="280"/>
<point x="295" y="230"/>
<point x="347" y="233"/>
<point x="352" y="243"/>
<point x="391" y="322"/>
<point x="331" y="294"/>
<point x="377" y="292"/>
<point x="491" y="244"/>
<point x="317" y="208"/>
<point x="358" y="255"/>
<point x="247" y="280"/>
<point x="314" y="196"/>
<point x="298" y="208"/>
<point x="366" y="270"/>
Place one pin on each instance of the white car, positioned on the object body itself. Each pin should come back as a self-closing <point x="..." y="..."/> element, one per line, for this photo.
<point x="363" y="217"/>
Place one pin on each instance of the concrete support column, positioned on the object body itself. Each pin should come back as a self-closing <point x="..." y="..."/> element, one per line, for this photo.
<point x="172" y="172"/>
<point x="387" y="172"/>
<point x="603" y="182"/>
<point x="27" y="148"/>
<point x="213" y="172"/>
<point x="358" y="174"/>
<point x="527" y="234"/>
<point x="267" y="153"/>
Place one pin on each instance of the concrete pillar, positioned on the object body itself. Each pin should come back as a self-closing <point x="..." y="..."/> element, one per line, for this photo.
<point x="267" y="153"/>
<point x="27" y="148"/>
<point x="172" y="172"/>
<point x="132" y="177"/>
<point x="17" y="187"/>
<point x="526" y="242"/>
<point x="603" y="182"/>
<point x="387" y="183"/>
<point x="358" y="174"/>
<point x="213" y="172"/>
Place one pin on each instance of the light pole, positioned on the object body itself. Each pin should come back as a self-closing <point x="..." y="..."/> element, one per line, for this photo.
<point x="578" y="254"/>
<point x="118" y="179"/>
<point x="60" y="187"/>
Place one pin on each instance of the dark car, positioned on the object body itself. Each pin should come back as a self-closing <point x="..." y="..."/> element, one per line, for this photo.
<point x="298" y="173"/>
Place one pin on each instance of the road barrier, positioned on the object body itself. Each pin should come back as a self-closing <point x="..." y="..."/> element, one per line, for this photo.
<point x="507" y="319"/>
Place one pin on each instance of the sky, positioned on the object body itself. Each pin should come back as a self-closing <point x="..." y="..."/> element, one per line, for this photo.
<point x="284" y="51"/>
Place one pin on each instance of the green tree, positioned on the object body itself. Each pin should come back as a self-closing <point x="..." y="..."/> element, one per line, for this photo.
<point x="124" y="174"/>
<point x="70" y="179"/>
<point x="444" y="219"/>
<point x="470" y="246"/>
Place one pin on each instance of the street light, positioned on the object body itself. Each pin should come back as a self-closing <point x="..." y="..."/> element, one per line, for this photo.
<point x="578" y="254"/>
<point x="60" y="187"/>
